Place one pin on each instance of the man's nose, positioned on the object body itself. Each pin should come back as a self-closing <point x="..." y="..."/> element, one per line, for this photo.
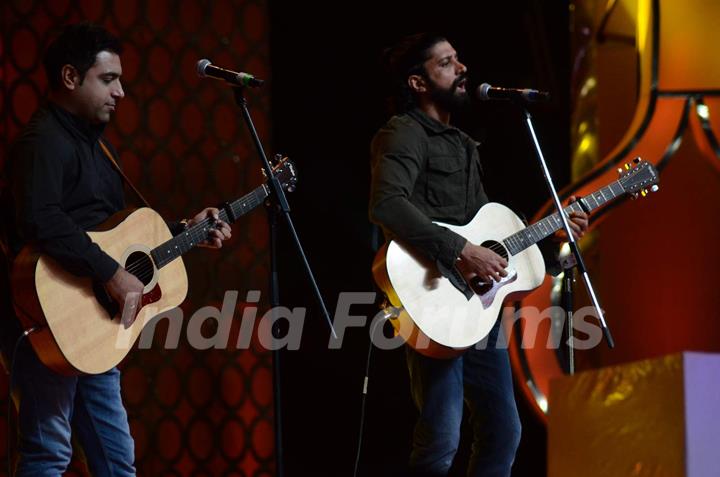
<point x="118" y="92"/>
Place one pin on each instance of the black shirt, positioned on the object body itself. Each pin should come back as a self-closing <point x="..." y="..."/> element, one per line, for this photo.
<point x="424" y="170"/>
<point x="61" y="185"/>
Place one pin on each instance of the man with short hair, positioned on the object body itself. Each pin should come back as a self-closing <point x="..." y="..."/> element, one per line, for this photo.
<point x="425" y="170"/>
<point x="61" y="184"/>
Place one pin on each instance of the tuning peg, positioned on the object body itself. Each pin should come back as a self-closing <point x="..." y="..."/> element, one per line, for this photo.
<point x="655" y="188"/>
<point x="627" y="166"/>
<point x="634" y="195"/>
<point x="619" y="170"/>
<point x="637" y="160"/>
<point x="644" y="192"/>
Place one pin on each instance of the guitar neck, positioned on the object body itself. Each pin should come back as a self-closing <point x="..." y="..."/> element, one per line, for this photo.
<point x="523" y="239"/>
<point x="188" y="239"/>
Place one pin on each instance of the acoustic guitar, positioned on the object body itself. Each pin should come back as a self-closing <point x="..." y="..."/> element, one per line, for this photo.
<point x="77" y="326"/>
<point x="436" y="318"/>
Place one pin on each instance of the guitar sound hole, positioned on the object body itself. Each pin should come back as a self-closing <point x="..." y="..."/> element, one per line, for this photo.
<point x="482" y="285"/>
<point x="496" y="247"/>
<point x="140" y="265"/>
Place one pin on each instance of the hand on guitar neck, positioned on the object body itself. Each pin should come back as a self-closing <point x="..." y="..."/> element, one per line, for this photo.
<point x="578" y="223"/>
<point x="221" y="230"/>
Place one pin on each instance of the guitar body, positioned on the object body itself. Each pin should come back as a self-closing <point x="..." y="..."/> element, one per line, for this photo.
<point x="77" y="327"/>
<point x="436" y="319"/>
<point x="76" y="333"/>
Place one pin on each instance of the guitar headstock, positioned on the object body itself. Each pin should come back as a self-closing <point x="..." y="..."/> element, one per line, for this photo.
<point x="639" y="178"/>
<point x="285" y="172"/>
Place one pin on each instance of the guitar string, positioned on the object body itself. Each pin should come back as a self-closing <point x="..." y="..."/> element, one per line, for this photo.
<point x="499" y="247"/>
<point x="532" y="230"/>
<point x="145" y="269"/>
<point x="198" y="232"/>
<point x="195" y="236"/>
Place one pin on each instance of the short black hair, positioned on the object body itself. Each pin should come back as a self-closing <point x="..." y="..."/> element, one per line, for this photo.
<point x="407" y="57"/>
<point x="77" y="45"/>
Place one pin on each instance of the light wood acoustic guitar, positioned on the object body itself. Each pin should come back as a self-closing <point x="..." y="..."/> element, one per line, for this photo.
<point x="436" y="318"/>
<point x="77" y="325"/>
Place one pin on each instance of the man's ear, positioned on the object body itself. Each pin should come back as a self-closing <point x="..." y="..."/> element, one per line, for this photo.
<point x="417" y="83"/>
<point x="69" y="77"/>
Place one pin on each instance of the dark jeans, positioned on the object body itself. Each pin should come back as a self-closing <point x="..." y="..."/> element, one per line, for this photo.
<point x="51" y="407"/>
<point x="481" y="379"/>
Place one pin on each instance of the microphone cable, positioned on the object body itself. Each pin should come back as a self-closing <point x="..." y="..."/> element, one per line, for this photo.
<point x="388" y="312"/>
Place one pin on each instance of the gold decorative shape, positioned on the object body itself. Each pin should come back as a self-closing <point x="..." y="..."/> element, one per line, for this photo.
<point x="647" y="84"/>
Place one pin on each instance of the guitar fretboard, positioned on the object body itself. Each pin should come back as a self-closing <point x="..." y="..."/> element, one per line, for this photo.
<point x="183" y="242"/>
<point x="523" y="239"/>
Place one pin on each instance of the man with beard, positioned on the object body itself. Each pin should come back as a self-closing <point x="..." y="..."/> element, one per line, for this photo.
<point x="424" y="170"/>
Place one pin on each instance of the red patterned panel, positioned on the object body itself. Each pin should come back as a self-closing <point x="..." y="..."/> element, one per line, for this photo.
<point x="182" y="142"/>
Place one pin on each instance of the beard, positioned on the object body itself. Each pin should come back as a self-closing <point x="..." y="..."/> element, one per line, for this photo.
<point x="450" y="98"/>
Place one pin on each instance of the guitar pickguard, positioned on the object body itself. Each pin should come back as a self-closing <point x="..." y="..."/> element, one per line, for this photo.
<point x="152" y="296"/>
<point x="487" y="292"/>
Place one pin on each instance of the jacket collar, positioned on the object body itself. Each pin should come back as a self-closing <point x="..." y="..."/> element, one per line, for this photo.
<point x="430" y="124"/>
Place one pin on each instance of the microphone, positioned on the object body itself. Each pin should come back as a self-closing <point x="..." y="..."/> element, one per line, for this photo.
<point x="485" y="92"/>
<point x="206" y="69"/>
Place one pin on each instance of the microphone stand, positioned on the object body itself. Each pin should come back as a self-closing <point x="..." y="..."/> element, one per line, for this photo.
<point x="567" y="306"/>
<point x="278" y="206"/>
<point x="566" y="227"/>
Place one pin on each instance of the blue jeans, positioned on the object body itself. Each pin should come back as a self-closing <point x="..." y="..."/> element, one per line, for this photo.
<point x="51" y="407"/>
<point x="481" y="379"/>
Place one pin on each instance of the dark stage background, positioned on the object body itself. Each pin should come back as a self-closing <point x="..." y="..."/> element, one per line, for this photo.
<point x="327" y="103"/>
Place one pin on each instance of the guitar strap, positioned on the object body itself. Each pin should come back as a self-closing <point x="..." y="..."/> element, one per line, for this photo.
<point x="109" y="155"/>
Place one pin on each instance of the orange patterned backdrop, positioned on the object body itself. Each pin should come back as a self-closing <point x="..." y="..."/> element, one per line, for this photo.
<point x="182" y="142"/>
